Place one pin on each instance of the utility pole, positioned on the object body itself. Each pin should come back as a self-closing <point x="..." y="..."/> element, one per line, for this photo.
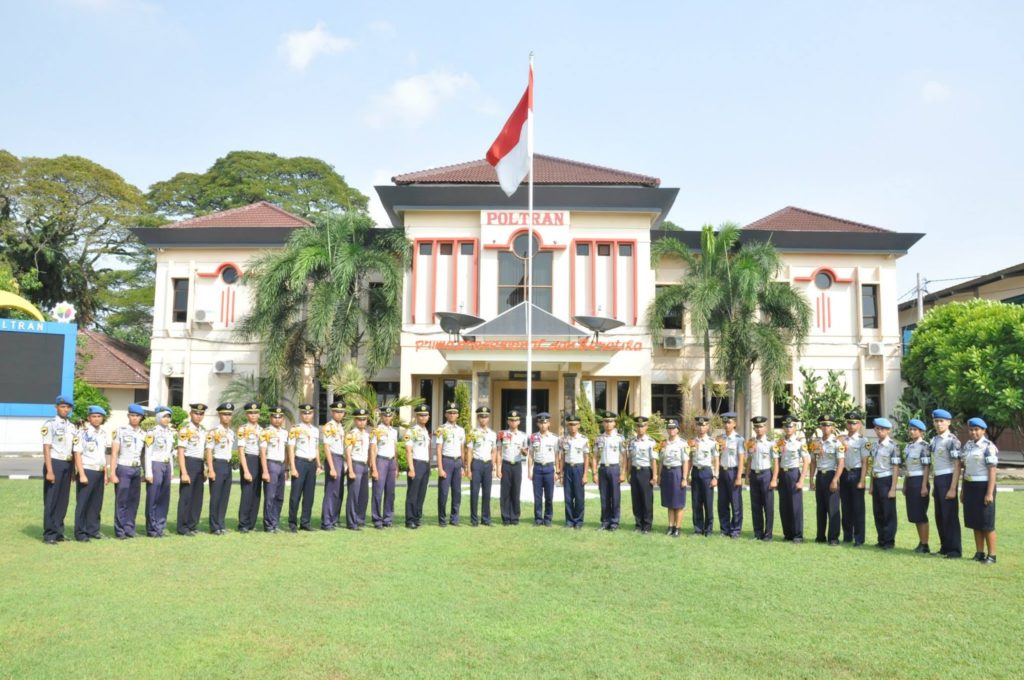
<point x="920" y="298"/>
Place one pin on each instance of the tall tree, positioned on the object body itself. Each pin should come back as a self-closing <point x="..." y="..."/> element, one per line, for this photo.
<point x="301" y="185"/>
<point x="332" y="294"/>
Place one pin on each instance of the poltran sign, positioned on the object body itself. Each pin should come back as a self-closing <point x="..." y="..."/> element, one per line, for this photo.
<point x="37" y="362"/>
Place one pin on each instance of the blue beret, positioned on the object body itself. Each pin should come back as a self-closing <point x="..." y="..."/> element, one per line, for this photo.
<point x="730" y="414"/>
<point x="883" y="422"/>
<point x="161" y="409"/>
<point x="977" y="422"/>
<point x="97" y="410"/>
<point x="918" y="424"/>
<point x="137" y="410"/>
<point x="62" y="399"/>
<point x="942" y="413"/>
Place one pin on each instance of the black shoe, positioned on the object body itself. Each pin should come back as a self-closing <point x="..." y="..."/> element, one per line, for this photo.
<point x="991" y="559"/>
<point x="98" y="537"/>
<point x="305" y="529"/>
<point x="50" y="541"/>
<point x="922" y="548"/>
<point x="645" y="531"/>
<point x="798" y="540"/>
<point x="193" y="533"/>
<point x="244" y="531"/>
<point x="614" y="527"/>
<point x="767" y="539"/>
<point x="952" y="556"/>
<point x="979" y="557"/>
<point x="355" y="528"/>
<point x="547" y="522"/>
<point x="637" y="530"/>
<point x="819" y="540"/>
<point x="537" y="523"/>
<point x="676" y="533"/>
<point x="293" y="530"/>
<point x="61" y="538"/>
<point x="474" y="524"/>
<point x="379" y="527"/>
<point x="83" y="540"/>
<point x="888" y="546"/>
<point x="454" y="524"/>
<point x="858" y="545"/>
<point x="603" y="527"/>
<point x="670" y="531"/>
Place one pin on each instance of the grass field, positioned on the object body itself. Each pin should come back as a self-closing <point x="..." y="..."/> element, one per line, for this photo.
<point x="499" y="602"/>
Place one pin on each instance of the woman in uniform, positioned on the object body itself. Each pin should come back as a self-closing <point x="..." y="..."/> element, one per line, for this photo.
<point x="917" y="461"/>
<point x="885" y="472"/>
<point x="978" y="494"/>
<point x="672" y="475"/>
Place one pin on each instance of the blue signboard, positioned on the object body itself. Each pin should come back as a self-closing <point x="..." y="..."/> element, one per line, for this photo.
<point x="37" y="363"/>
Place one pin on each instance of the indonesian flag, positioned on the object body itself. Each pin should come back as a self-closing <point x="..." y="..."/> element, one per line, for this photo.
<point x="512" y="151"/>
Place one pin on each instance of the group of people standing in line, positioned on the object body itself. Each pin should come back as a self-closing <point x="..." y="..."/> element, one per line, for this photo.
<point x="839" y="467"/>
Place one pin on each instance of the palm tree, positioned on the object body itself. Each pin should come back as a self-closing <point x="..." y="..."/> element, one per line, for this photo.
<point x="332" y="294"/>
<point x="351" y="386"/>
<point x="249" y="387"/>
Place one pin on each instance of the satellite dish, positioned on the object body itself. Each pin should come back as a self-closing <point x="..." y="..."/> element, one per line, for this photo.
<point x="453" y="323"/>
<point x="598" y="324"/>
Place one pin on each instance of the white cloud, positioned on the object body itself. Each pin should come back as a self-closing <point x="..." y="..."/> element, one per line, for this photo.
<point x="382" y="26"/>
<point x="413" y="100"/>
<point x="301" y="47"/>
<point x="934" y="91"/>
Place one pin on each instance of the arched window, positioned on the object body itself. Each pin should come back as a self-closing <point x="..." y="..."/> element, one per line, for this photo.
<point x="512" y="274"/>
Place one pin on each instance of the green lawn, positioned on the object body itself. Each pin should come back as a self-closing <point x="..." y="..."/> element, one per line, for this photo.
<point x="500" y="602"/>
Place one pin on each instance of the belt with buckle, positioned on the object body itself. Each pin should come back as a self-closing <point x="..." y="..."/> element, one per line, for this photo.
<point x="881" y="475"/>
<point x="536" y="465"/>
<point x="94" y="468"/>
<point x="451" y="457"/>
<point x="128" y="465"/>
<point x="761" y="472"/>
<point x="795" y="467"/>
<point x="701" y="467"/>
<point x="574" y="465"/>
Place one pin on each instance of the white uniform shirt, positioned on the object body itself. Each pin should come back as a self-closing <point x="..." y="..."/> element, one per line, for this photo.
<point x="60" y="434"/>
<point x="828" y="452"/>
<point x="306" y="440"/>
<point x="131" y="441"/>
<point x="978" y="457"/>
<point x="512" y="444"/>
<point x="334" y="436"/>
<point x="543" y="447"/>
<point x="276" y="439"/>
<point x="731" y="447"/>
<point x="641" y="451"/>
<point x="385" y="438"/>
<point x="193" y="438"/>
<point x="857" y="448"/>
<point x="159" y="447"/>
<point x="945" y="449"/>
<point x="250" y="438"/>
<point x="762" y="450"/>
<point x="482" y="442"/>
<point x="359" y="440"/>
<point x="674" y="452"/>
<point x="793" y="453"/>
<point x="916" y="455"/>
<point x="221" y="440"/>
<point x="92" y="443"/>
<point x="452" y="439"/>
<point x="574" y="449"/>
<point x="886" y="454"/>
<point x="418" y="438"/>
<point x="703" y="450"/>
<point x="609" y="447"/>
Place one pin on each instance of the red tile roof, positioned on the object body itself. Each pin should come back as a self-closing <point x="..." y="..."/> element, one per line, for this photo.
<point x="103" y="360"/>
<point x="798" y="219"/>
<point x="261" y="214"/>
<point x="546" y="169"/>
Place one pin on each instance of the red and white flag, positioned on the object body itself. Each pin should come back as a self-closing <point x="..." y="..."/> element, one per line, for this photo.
<point x="512" y="152"/>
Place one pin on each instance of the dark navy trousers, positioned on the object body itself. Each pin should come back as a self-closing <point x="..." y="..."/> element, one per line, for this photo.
<point x="358" y="495"/>
<point x="302" y="490"/>
<point x="827" y="510"/>
<point x="220" y="494"/>
<point x="511" y="487"/>
<point x="730" y="502"/>
<point x="273" y="496"/>
<point x="383" y="509"/>
<point x="158" y="499"/>
<point x="543" y="493"/>
<point x="572" y="481"/>
<point x="249" y="504"/>
<point x="452" y="483"/>
<point x="642" y="494"/>
<point x="610" y="489"/>
<point x="947" y="516"/>
<point x="851" y="501"/>
<point x="762" y="503"/>
<point x="884" y="510"/>
<point x="791" y="505"/>
<point x="703" y="500"/>
<point x="482" y="472"/>
<point x="334" y="493"/>
<point x="55" y="498"/>
<point x="190" y="496"/>
<point x="416" y="493"/>
<point x="126" y="500"/>
<point x="88" y="505"/>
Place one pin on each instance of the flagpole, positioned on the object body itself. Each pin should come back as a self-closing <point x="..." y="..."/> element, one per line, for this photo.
<point x="529" y="261"/>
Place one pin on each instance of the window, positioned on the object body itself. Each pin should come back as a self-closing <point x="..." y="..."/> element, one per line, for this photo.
<point x="719" y="399"/>
<point x="604" y="249"/>
<point x="446" y="249"/>
<point x="625" y="250"/>
<point x="823" y="280"/>
<point x="600" y="395"/>
<point x="229" y="274"/>
<point x="426" y="248"/>
<point x="387" y="392"/>
<point x="427" y="394"/>
<point x="666" y="400"/>
<point x="905" y="334"/>
<point x="583" y="249"/>
<point x="512" y="275"/>
<point x="448" y="392"/>
<point x="466" y="248"/>
<point x="674" y="320"/>
<point x="179" y="307"/>
<point x="141" y="396"/>
<point x="872" y="403"/>
<point x="780" y="406"/>
<point x="175" y="391"/>
<point x="622" y="395"/>
<point x="869" y="304"/>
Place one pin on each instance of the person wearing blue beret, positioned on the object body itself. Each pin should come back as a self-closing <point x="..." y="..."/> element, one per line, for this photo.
<point x="885" y="472"/>
<point x="90" y="450"/>
<point x="978" y="495"/>
<point x="917" y="463"/>
<point x="945" y="455"/>
<point x="59" y="434"/>
<point x="127" y="443"/>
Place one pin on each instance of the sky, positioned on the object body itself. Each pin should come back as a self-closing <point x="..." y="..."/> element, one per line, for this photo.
<point x="901" y="115"/>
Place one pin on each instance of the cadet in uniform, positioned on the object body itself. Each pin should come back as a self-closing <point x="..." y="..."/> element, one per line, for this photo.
<point x="220" y="444"/>
<point x="417" y="440"/>
<point x="826" y="470"/>
<point x="333" y="437"/>
<point x="608" y="468"/>
<point x="571" y="468"/>
<point x="90" y="451"/>
<point x="763" y="475"/>
<point x="357" y="455"/>
<point x="917" y="461"/>
<point x="304" y="461"/>
<point x="945" y="450"/>
<point x="851" y="484"/>
<point x="641" y="468"/>
<point x="250" y="442"/>
<point x="703" y="477"/>
<point x="673" y="473"/>
<point x="541" y="468"/>
<point x="191" y="447"/>
<point x="127" y="443"/>
<point x="512" y="443"/>
<point x="980" y="458"/>
<point x="793" y="461"/>
<point x="275" y="439"/>
<point x="159" y="470"/>
<point x="449" y="440"/>
<point x="885" y="472"/>
<point x="383" y="469"/>
<point x="481" y="459"/>
<point x="730" y="478"/>
<point x="58" y="462"/>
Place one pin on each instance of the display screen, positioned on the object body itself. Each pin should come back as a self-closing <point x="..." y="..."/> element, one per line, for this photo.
<point x="31" y="367"/>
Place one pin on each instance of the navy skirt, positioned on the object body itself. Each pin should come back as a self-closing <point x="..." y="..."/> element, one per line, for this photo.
<point x="672" y="494"/>
<point x="977" y="515"/>
<point x="917" y="505"/>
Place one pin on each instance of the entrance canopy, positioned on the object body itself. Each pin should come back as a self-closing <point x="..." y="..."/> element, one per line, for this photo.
<point x="512" y="324"/>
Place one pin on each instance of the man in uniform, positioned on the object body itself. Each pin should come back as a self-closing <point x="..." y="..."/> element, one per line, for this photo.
<point x="159" y="470"/>
<point x="191" y="447"/>
<point x="127" y="443"/>
<point x="541" y="468"/>
<point x="90" y="451"/>
<point x="512" y="443"/>
<point x="851" y="483"/>
<point x="793" y="461"/>
<point x="763" y="476"/>
<point x="220" y="443"/>
<point x="481" y="459"/>
<point x="704" y="457"/>
<point x="384" y="469"/>
<point x="357" y="456"/>
<point x="417" y="440"/>
<point x="827" y="466"/>
<point x="946" y="463"/>
<point x="885" y="472"/>
<point x="573" y="451"/>
<point x="250" y="443"/>
<point x="730" y="479"/>
<point x="449" y="440"/>
<point x="609" y="469"/>
<point x="641" y="470"/>
<point x="58" y="438"/>
<point x="304" y="463"/>
<point x="333" y="436"/>
<point x="275" y="439"/>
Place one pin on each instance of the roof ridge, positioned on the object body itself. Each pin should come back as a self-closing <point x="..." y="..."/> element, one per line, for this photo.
<point x="235" y="211"/>
<point x="594" y="166"/>
<point x="813" y="213"/>
<point x="548" y="170"/>
<point x="838" y="219"/>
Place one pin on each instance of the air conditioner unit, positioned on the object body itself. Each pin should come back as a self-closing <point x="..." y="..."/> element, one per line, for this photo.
<point x="203" y="316"/>
<point x="672" y="342"/>
<point x="224" y="366"/>
<point x="876" y="349"/>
